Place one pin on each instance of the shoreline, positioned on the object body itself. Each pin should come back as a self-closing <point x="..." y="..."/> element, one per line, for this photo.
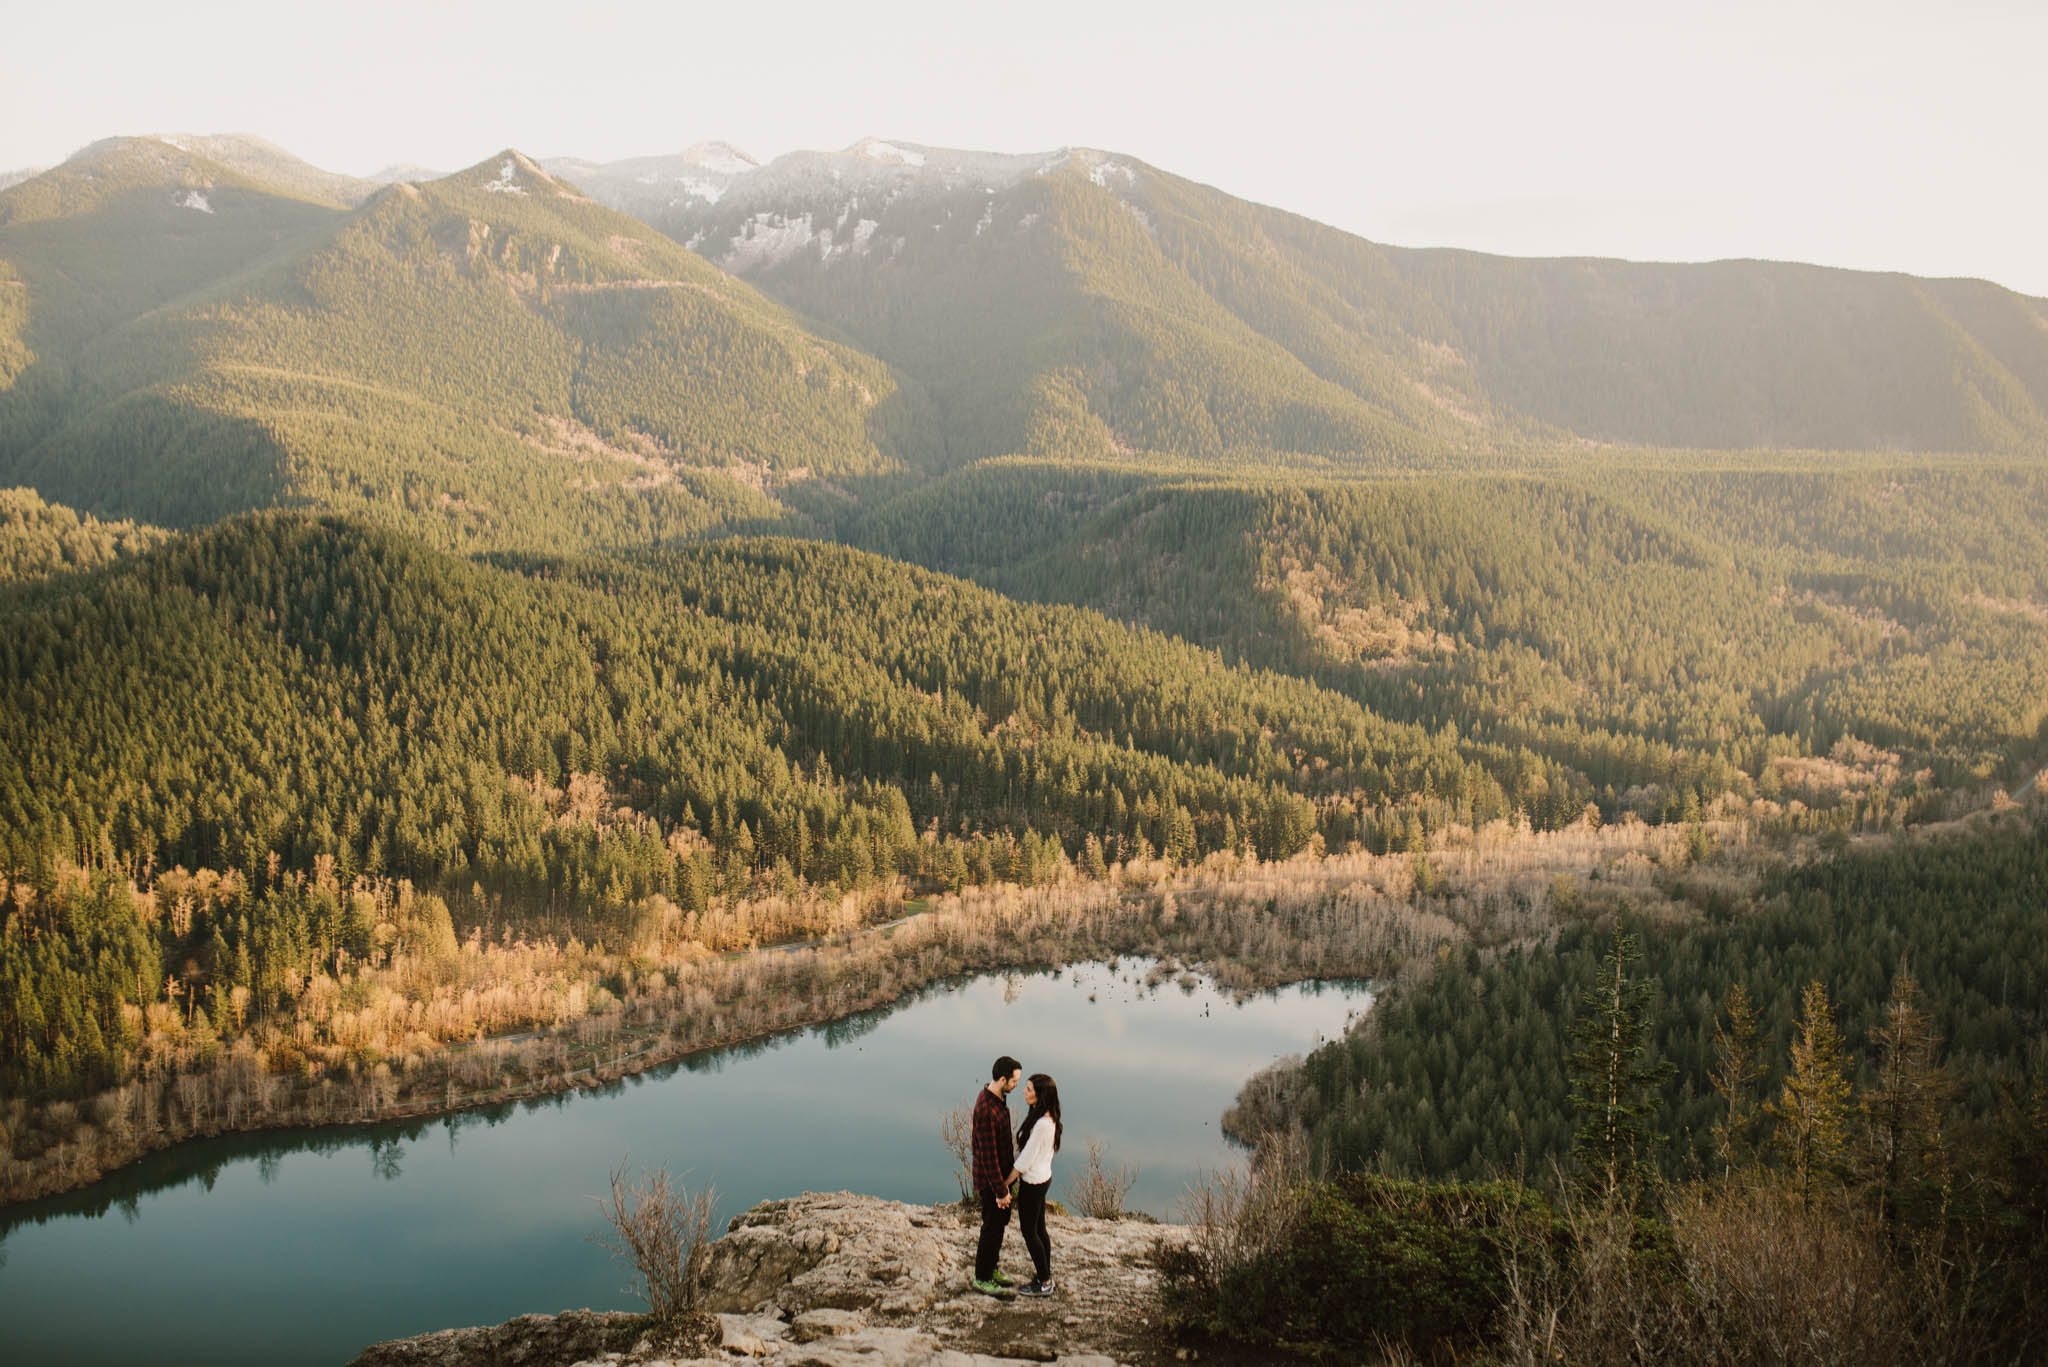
<point x="1246" y="925"/>
<point x="16" y="1212"/>
<point x="802" y="986"/>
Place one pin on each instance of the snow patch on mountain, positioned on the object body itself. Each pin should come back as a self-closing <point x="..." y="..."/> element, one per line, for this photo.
<point x="718" y="190"/>
<point x="507" y="182"/>
<point x="769" y="239"/>
<point x="1104" y="173"/>
<point x="195" y="200"/>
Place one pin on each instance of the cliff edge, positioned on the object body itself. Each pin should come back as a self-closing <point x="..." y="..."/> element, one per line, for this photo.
<point x="840" y="1280"/>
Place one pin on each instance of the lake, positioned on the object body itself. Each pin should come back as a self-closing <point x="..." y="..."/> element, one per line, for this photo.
<point x="305" y="1246"/>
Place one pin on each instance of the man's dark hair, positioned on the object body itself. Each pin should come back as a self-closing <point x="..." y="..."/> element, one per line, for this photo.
<point x="1004" y="1067"/>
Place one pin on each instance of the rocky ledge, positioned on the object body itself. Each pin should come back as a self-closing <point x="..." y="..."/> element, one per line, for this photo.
<point x="852" y="1281"/>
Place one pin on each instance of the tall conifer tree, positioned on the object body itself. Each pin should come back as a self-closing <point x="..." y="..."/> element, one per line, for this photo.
<point x="1813" y="1108"/>
<point x="1614" y="1086"/>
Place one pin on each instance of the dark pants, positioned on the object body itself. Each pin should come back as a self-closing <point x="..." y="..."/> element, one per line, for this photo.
<point x="1031" y="1224"/>
<point x="994" y="1220"/>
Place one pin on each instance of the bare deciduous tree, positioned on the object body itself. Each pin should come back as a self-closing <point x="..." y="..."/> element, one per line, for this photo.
<point x="663" y="1229"/>
<point x="1099" y="1188"/>
<point x="1240" y="1214"/>
<point x="956" y="1127"/>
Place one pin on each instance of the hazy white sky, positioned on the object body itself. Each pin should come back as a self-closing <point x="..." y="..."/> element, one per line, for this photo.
<point x="1884" y="134"/>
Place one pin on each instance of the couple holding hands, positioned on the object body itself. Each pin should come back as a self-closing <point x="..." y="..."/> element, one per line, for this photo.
<point x="1024" y="1167"/>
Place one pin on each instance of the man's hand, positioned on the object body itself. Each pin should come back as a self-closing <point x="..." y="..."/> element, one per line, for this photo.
<point x="1003" y="1201"/>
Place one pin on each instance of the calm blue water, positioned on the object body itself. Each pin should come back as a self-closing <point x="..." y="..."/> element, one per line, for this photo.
<point x="306" y="1246"/>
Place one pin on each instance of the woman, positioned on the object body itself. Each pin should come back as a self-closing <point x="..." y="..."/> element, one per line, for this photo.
<point x="1038" y="1139"/>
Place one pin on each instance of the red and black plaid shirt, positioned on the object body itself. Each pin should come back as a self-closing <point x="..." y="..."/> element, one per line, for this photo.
<point x="995" y="1151"/>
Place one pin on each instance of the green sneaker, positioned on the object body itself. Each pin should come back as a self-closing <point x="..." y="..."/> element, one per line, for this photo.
<point x="1002" y="1278"/>
<point x="992" y="1287"/>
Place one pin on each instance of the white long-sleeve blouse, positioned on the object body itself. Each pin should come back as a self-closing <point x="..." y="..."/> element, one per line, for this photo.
<point x="1034" y="1164"/>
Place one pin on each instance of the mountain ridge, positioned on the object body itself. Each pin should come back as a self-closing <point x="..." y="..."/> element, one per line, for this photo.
<point x="1453" y="344"/>
<point x="1080" y="303"/>
<point x="489" y="350"/>
<point x="1073" y="305"/>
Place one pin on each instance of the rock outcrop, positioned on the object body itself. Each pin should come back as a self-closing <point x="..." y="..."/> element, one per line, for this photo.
<point x="841" y="1280"/>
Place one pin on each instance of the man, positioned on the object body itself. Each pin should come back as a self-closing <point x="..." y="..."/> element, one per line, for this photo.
<point x="994" y="1154"/>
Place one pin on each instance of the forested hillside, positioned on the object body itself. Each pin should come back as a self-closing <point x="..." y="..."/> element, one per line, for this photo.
<point x="1464" y="1072"/>
<point x="1656" y="626"/>
<point x="38" y="538"/>
<point x="1045" y="314"/>
<point x="489" y="359"/>
<point x="125" y="226"/>
<point x="299" y="703"/>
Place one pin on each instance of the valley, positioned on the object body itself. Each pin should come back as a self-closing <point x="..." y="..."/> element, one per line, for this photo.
<point x="454" y="629"/>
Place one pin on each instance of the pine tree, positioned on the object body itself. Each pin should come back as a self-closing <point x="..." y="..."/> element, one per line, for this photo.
<point x="1179" y="835"/>
<point x="1738" y="1064"/>
<point x="1904" y="1150"/>
<point x="1813" y="1109"/>
<point x="1614" y="1087"/>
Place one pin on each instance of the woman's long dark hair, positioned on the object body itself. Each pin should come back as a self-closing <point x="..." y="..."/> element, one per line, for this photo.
<point x="1048" y="1103"/>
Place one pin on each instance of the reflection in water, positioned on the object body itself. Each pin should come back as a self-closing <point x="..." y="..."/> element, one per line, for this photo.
<point x="311" y="1252"/>
<point x="201" y="1162"/>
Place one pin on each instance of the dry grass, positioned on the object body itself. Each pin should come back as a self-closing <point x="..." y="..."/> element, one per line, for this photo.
<point x="1751" y="1275"/>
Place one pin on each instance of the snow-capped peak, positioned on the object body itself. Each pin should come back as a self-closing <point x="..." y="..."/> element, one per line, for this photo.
<point x="720" y="158"/>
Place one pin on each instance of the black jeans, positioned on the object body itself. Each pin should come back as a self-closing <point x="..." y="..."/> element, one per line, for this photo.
<point x="994" y="1220"/>
<point x="1031" y="1224"/>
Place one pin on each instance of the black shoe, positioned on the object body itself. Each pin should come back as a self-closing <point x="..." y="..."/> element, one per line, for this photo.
<point x="1035" y="1287"/>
